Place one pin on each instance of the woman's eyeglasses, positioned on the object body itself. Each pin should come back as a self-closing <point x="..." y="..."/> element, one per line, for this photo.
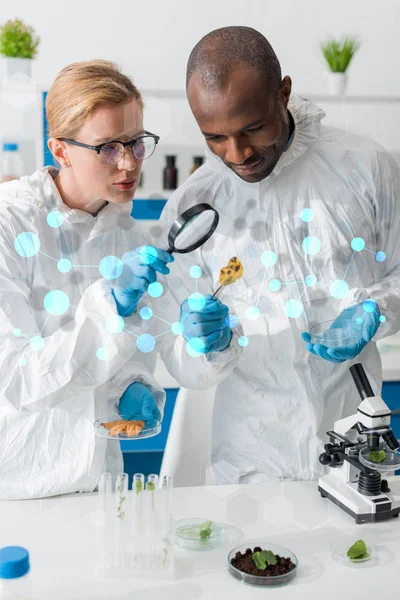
<point x="110" y="153"/>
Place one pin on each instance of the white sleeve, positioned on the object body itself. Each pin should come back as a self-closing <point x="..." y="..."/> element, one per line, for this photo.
<point x="67" y="364"/>
<point x="386" y="204"/>
<point x="192" y="372"/>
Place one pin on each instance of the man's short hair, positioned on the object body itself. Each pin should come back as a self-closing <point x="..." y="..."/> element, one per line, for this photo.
<point x="215" y="55"/>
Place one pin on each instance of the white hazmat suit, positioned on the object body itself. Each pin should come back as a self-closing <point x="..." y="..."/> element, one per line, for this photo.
<point x="294" y="234"/>
<point x="64" y="361"/>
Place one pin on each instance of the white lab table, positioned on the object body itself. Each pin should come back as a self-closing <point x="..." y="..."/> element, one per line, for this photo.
<point x="60" y="535"/>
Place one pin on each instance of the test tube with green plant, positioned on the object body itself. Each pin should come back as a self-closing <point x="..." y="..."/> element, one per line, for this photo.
<point x="137" y="500"/>
<point x="121" y="489"/>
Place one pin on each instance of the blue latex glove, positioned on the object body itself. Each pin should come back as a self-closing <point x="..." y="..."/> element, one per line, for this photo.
<point x="205" y="326"/>
<point x="138" y="404"/>
<point x="140" y="269"/>
<point x="369" y="312"/>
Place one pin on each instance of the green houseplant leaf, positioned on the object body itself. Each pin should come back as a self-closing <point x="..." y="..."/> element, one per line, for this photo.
<point x="18" y="40"/>
<point x="338" y="54"/>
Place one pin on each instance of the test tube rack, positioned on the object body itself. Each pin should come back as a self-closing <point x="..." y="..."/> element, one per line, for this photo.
<point x="136" y="528"/>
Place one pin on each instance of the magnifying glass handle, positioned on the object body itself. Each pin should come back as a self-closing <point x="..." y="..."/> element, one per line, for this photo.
<point x="170" y="250"/>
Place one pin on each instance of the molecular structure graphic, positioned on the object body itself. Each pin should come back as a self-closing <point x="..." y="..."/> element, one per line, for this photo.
<point x="294" y="308"/>
<point x="57" y="302"/>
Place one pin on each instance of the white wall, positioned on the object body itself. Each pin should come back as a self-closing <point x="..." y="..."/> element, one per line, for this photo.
<point x="152" y="39"/>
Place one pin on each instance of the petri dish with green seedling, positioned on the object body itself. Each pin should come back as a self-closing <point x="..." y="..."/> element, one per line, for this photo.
<point x="198" y="534"/>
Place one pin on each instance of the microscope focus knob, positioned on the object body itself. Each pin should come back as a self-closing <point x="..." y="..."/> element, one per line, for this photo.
<point x="336" y="460"/>
<point x="325" y="459"/>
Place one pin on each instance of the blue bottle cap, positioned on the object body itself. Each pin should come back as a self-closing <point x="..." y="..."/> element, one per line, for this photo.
<point x="10" y="147"/>
<point x="14" y="562"/>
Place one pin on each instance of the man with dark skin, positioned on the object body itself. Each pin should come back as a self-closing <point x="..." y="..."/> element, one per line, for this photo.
<point x="313" y="213"/>
<point x="247" y="132"/>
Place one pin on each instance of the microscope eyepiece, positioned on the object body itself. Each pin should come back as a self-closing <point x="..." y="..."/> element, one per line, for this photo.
<point x="360" y="379"/>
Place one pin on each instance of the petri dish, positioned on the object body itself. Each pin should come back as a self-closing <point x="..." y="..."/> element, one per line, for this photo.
<point x="391" y="462"/>
<point x="262" y="580"/>
<point x="145" y="432"/>
<point x="339" y="550"/>
<point x="187" y="534"/>
<point x="348" y="334"/>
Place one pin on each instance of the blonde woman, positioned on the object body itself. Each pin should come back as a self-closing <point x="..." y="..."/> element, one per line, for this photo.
<point x="66" y="356"/>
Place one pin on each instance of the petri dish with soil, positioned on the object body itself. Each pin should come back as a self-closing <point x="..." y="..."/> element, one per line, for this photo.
<point x="261" y="563"/>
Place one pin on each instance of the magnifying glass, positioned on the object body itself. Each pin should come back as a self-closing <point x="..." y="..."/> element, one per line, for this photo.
<point x="192" y="228"/>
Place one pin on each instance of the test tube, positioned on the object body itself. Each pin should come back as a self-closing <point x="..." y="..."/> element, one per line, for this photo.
<point x="152" y="485"/>
<point x="121" y="491"/>
<point x="137" y="500"/>
<point x="104" y="492"/>
<point x="150" y="520"/>
<point x="104" y="503"/>
<point x="164" y="506"/>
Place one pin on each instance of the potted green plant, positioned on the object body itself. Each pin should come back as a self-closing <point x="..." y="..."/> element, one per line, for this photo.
<point x="18" y="46"/>
<point x="338" y="54"/>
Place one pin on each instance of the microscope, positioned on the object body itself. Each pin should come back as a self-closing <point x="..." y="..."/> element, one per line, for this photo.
<point x="360" y="455"/>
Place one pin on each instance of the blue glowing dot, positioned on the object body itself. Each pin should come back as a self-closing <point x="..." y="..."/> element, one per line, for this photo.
<point x="359" y="320"/>
<point x="307" y="215"/>
<point x="37" y="343"/>
<point x="311" y="281"/>
<point x="101" y="353"/>
<point x="311" y="244"/>
<point x="339" y="289"/>
<point x="17" y="332"/>
<point x="55" y="219"/>
<point x="269" y="258"/>
<point x="243" y="341"/>
<point x="27" y="244"/>
<point x="64" y="265"/>
<point x="231" y="321"/>
<point x="177" y="328"/>
<point x="196" y="302"/>
<point x="369" y="306"/>
<point x="146" y="343"/>
<point x="111" y="267"/>
<point x="294" y="308"/>
<point x="155" y="289"/>
<point x="115" y="324"/>
<point x="358" y="244"/>
<point x="148" y="254"/>
<point x="253" y="313"/>
<point x="380" y="256"/>
<point x="22" y="362"/>
<point x="196" y="347"/>
<point x="146" y="313"/>
<point x="196" y="272"/>
<point x="56" y="302"/>
<point x="274" y="285"/>
<point x="382" y="318"/>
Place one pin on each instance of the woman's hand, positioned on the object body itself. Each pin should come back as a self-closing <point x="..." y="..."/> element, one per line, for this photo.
<point x="140" y="270"/>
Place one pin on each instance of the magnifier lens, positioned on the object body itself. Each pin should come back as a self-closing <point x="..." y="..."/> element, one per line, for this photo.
<point x="195" y="229"/>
